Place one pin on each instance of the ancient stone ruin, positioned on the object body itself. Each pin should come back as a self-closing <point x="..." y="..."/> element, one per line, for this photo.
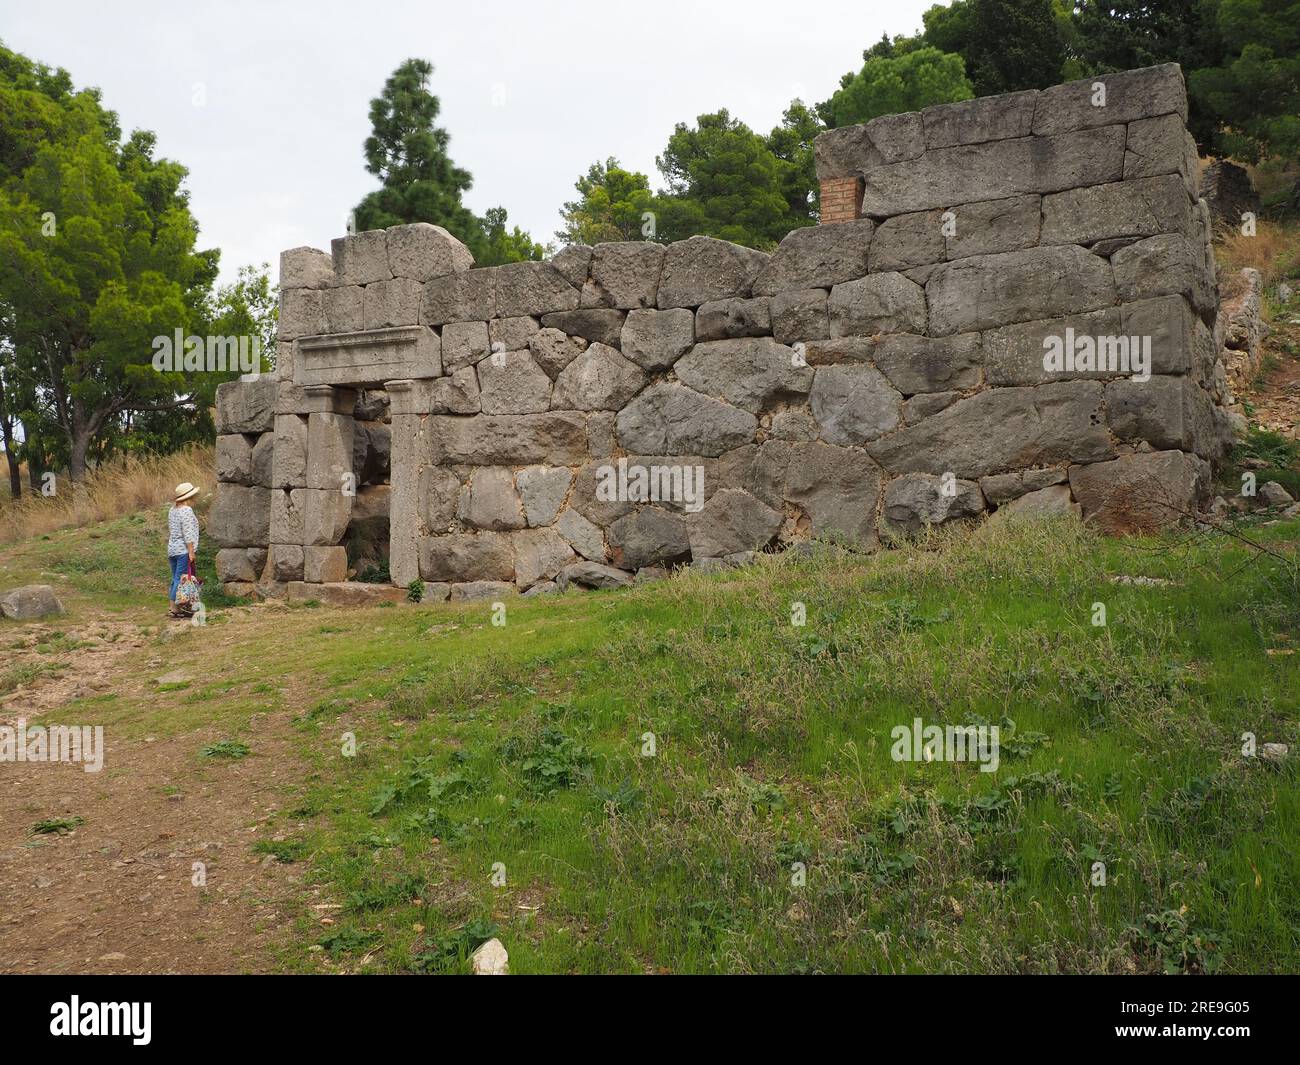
<point x="1229" y="194"/>
<point x="1010" y="305"/>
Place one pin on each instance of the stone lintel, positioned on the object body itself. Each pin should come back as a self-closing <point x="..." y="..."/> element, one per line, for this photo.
<point x="368" y="357"/>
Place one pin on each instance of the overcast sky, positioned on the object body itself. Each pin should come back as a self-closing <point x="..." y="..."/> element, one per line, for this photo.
<point x="266" y="103"/>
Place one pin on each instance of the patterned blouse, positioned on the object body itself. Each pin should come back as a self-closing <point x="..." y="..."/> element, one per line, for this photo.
<point x="182" y="529"/>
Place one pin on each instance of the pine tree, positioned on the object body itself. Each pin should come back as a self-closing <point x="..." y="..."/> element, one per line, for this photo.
<point x="408" y="152"/>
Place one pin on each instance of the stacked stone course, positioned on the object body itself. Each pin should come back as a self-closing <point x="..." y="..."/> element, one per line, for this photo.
<point x="877" y="373"/>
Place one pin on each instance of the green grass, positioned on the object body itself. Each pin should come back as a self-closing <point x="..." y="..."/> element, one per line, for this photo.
<point x="1277" y="453"/>
<point x="501" y="781"/>
<point x="56" y="826"/>
<point x="232" y="750"/>
<point x="282" y="850"/>
<point x="1267" y="446"/>
<point x="14" y="677"/>
<point x="488" y="753"/>
<point x="118" y="566"/>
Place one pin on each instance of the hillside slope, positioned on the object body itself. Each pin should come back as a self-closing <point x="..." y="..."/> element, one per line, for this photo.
<point x="503" y="781"/>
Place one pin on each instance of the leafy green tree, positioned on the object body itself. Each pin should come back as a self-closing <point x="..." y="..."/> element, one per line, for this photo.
<point x="792" y="143"/>
<point x="1113" y="35"/>
<point x="409" y="154"/>
<point x="247" y="307"/>
<point x="895" y="80"/>
<point x="40" y="106"/>
<point x="890" y="47"/>
<point x="20" y="424"/>
<point x="950" y="28"/>
<point x="612" y="204"/>
<point x="502" y="245"/>
<point x="724" y="181"/>
<point x="1007" y="44"/>
<point x="1253" y="96"/>
<point x="97" y="245"/>
<point x="1124" y="34"/>
<point x="10" y="420"/>
<point x="89" y="295"/>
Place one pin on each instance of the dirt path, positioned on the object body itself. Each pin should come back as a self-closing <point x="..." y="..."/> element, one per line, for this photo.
<point x="49" y="665"/>
<point x="1276" y="399"/>
<point x="122" y="891"/>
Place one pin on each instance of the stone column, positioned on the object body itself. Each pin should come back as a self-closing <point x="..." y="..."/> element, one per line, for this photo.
<point x="412" y="401"/>
<point x="331" y="483"/>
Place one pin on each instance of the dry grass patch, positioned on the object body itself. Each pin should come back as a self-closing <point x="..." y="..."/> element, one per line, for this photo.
<point x="126" y="485"/>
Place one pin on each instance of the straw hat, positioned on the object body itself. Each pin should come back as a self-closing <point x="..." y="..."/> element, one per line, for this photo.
<point x="185" y="491"/>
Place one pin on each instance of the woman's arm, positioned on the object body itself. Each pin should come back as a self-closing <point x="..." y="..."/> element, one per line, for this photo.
<point x="191" y="533"/>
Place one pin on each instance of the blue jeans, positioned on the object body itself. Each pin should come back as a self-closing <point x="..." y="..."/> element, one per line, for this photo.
<point x="180" y="567"/>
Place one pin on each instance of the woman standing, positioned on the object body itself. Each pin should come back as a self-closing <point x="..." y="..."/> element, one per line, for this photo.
<point x="182" y="539"/>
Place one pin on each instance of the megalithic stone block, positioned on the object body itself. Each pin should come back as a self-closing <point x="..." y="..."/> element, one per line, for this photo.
<point x="263" y="455"/>
<point x="315" y="399"/>
<point x="246" y="406"/>
<point x="289" y="516"/>
<point x="327" y="515"/>
<point x="361" y="258"/>
<point x="302" y="313"/>
<point x="286" y="562"/>
<point x="987" y="118"/>
<point x="305" y="268"/>
<point x="1105" y="99"/>
<point x="624" y="275"/>
<point x="468" y="296"/>
<point x="233" y="564"/>
<point x="234" y="459"/>
<point x="289" y="463"/>
<point x="284" y="357"/>
<point x="1144" y="207"/>
<point x="846" y="151"/>
<point x="391" y="303"/>
<point x="1162" y="146"/>
<point x="999" y="169"/>
<point x="329" y="451"/>
<point x="421" y="251"/>
<point x="240" y="516"/>
<point x="325" y="565"/>
<point x="813" y="257"/>
<point x="531" y="288"/>
<point x="701" y="269"/>
<point x="986" y="291"/>
<point x="344" y="308"/>
<point x="1140" y="493"/>
<point x="1166" y="264"/>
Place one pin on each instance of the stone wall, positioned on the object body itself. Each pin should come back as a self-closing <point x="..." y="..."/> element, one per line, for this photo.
<point x="1229" y="194"/>
<point x="868" y="377"/>
<point x="1241" y="330"/>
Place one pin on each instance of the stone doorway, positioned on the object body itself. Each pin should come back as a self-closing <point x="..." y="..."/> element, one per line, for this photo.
<point x="367" y="539"/>
<point x="351" y="468"/>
